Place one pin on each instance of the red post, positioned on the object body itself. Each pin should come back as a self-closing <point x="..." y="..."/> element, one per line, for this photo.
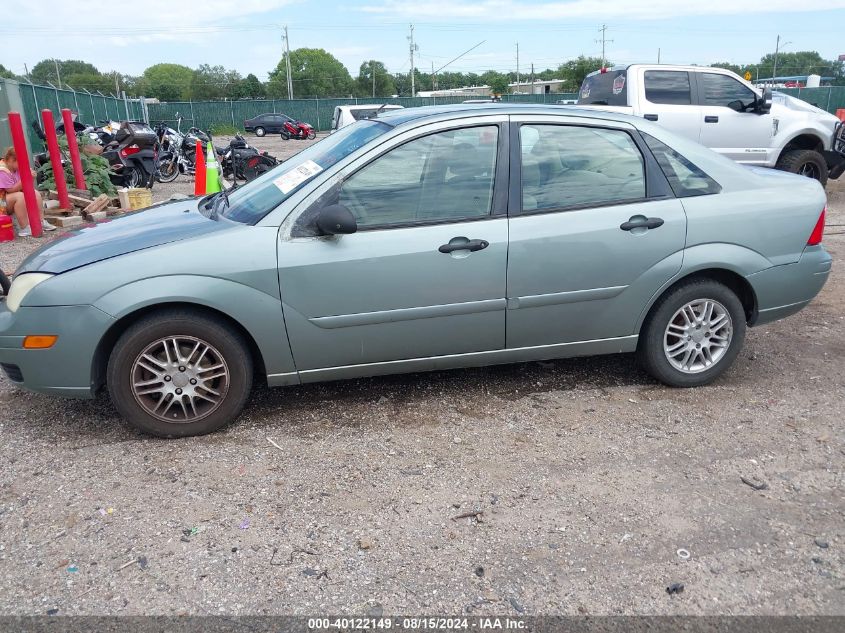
<point x="55" y="157"/>
<point x="25" y="171"/>
<point x="199" y="172"/>
<point x="72" y="146"/>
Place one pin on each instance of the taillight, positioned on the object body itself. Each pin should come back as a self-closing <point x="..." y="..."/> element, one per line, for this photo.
<point x="818" y="232"/>
<point x="129" y="150"/>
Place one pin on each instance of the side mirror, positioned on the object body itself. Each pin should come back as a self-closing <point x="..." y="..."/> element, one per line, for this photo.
<point x="336" y="219"/>
<point x="764" y="103"/>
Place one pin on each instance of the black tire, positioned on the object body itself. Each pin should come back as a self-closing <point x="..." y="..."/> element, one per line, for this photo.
<point x="650" y="350"/>
<point x="142" y="336"/>
<point x="135" y="177"/>
<point x="806" y="162"/>
<point x="168" y="170"/>
<point x="312" y="135"/>
<point x="260" y="131"/>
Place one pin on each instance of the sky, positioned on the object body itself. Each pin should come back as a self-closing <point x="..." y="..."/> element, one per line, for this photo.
<point x="246" y="34"/>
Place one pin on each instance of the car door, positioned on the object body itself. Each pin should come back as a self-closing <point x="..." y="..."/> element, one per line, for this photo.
<point x="728" y="125"/>
<point x="666" y="96"/>
<point x="275" y="123"/>
<point x="424" y="275"/>
<point x="595" y="231"/>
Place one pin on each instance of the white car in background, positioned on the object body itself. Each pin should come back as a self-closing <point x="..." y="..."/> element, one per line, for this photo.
<point x="347" y="114"/>
<point x="724" y="112"/>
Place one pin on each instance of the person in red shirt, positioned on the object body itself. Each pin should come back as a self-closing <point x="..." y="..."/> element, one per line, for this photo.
<point x="12" y="190"/>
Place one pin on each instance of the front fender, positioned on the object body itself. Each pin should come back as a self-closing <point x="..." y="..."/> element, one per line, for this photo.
<point x="260" y="314"/>
<point x="713" y="256"/>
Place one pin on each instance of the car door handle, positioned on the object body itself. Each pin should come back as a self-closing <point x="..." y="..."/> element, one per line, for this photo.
<point x="650" y="117"/>
<point x="711" y="119"/>
<point x="641" y="223"/>
<point x="471" y="245"/>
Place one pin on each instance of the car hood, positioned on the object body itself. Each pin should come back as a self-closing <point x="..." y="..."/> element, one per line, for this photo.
<point x="781" y="101"/>
<point x="170" y="222"/>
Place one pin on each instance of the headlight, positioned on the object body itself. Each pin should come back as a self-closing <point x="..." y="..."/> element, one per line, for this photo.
<point x="21" y="285"/>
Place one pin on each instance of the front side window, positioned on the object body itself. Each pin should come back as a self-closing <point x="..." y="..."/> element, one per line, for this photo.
<point x="570" y="166"/>
<point x="441" y="177"/>
<point x="725" y="91"/>
<point x="667" y="86"/>
<point x="685" y="178"/>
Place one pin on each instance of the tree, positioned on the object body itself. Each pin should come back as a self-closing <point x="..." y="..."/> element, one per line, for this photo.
<point x="384" y="86"/>
<point x="215" y="82"/>
<point x="574" y="71"/>
<point x="497" y="81"/>
<point x="315" y="73"/>
<point x="252" y="88"/>
<point x="45" y="70"/>
<point x="167" y="82"/>
<point x="5" y="73"/>
<point x="797" y="63"/>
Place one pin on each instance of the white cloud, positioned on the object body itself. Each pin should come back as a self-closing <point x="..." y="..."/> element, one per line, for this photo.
<point x="510" y="10"/>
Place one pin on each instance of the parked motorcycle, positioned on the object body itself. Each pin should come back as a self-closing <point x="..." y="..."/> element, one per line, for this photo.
<point x="178" y="150"/>
<point x="132" y="155"/>
<point x="241" y="161"/>
<point x="298" y="130"/>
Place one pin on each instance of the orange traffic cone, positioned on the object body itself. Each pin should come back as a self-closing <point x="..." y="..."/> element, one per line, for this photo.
<point x="199" y="172"/>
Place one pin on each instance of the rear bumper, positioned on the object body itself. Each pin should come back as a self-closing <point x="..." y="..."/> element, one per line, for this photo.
<point x="784" y="290"/>
<point x="66" y="369"/>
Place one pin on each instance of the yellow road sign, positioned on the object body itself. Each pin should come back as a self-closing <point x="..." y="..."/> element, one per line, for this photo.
<point x="747" y="75"/>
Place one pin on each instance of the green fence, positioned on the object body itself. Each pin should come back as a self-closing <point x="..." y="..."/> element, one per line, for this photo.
<point x="830" y="98"/>
<point x="317" y="112"/>
<point x="91" y="107"/>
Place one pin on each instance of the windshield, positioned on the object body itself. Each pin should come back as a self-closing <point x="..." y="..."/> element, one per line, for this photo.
<point x="251" y="202"/>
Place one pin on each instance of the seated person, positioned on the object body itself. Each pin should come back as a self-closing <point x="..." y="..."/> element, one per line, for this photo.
<point x="10" y="182"/>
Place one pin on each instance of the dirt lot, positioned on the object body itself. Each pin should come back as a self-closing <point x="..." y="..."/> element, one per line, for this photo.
<point x="586" y="476"/>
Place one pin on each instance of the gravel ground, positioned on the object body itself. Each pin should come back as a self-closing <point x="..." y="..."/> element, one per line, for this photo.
<point x="578" y="482"/>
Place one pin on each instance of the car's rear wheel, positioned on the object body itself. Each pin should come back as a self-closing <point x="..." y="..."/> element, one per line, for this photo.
<point x="804" y="162"/>
<point x="693" y="334"/>
<point x="260" y="131"/>
<point x="178" y="373"/>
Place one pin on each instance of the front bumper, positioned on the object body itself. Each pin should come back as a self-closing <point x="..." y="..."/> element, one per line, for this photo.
<point x="835" y="158"/>
<point x="784" y="290"/>
<point x="66" y="369"/>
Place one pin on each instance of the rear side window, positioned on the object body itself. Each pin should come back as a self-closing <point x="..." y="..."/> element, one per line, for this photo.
<point x="685" y="178"/>
<point x="573" y="166"/>
<point x="368" y="113"/>
<point x="667" y="86"/>
<point x="608" y="88"/>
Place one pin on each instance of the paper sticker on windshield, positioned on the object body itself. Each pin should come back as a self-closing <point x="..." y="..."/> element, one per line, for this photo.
<point x="290" y="180"/>
<point x="585" y="91"/>
<point x="618" y="84"/>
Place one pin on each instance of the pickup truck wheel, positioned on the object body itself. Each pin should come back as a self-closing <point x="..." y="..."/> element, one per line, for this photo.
<point x="178" y="373"/>
<point x="693" y="334"/>
<point x="805" y="162"/>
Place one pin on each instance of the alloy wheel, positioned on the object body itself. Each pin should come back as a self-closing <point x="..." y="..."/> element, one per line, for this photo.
<point x="698" y="336"/>
<point x="810" y="170"/>
<point x="180" y="379"/>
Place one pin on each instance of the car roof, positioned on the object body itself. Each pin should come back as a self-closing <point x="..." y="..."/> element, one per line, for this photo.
<point x="397" y="118"/>
<point x="370" y="106"/>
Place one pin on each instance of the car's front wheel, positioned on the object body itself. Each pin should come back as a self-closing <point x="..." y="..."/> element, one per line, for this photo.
<point x="178" y="373"/>
<point x="804" y="162"/>
<point x="693" y="334"/>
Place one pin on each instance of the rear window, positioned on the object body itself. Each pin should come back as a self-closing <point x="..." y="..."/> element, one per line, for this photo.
<point x="368" y="113"/>
<point x="608" y="88"/>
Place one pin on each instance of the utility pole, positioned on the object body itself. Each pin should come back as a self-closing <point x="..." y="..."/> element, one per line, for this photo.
<point x="413" y="48"/>
<point x="658" y="55"/>
<point x="603" y="40"/>
<point x="59" y="75"/>
<point x="517" y="66"/>
<point x="532" y="78"/>
<point x="116" y="84"/>
<point x="775" y="69"/>
<point x="433" y="77"/>
<point x="287" y="63"/>
<point x="373" y="72"/>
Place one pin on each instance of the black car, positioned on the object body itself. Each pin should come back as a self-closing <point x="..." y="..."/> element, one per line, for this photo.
<point x="264" y="123"/>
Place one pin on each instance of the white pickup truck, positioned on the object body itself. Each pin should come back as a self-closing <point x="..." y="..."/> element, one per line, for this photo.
<point x="725" y="113"/>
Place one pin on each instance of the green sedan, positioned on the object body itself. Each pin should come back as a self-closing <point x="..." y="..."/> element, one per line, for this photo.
<point x="423" y="239"/>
